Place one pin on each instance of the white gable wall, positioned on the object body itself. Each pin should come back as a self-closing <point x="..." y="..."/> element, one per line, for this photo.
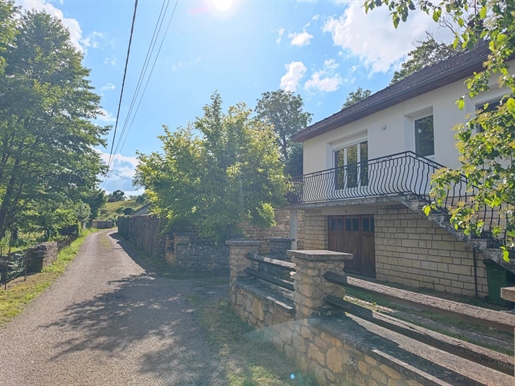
<point x="391" y="131"/>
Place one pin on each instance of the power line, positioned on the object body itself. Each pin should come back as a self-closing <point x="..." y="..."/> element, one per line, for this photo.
<point x="119" y="148"/>
<point x="123" y="81"/>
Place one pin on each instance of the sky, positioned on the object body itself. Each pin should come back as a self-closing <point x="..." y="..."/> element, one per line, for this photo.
<point x="322" y="50"/>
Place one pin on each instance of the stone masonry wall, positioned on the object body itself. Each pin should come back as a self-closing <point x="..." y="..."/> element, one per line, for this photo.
<point x="413" y="251"/>
<point x="280" y="230"/>
<point x="313" y="233"/>
<point x="315" y="351"/>
<point x="146" y="232"/>
<point x="201" y="257"/>
<point x="41" y="255"/>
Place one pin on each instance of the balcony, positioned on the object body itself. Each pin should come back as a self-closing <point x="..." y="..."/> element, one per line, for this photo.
<point x="404" y="177"/>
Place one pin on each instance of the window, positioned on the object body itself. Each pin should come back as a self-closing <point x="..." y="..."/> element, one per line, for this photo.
<point x="486" y="107"/>
<point x="424" y="136"/>
<point x="351" y="165"/>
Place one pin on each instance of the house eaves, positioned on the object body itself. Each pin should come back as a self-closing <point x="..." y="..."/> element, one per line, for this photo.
<point x="457" y="67"/>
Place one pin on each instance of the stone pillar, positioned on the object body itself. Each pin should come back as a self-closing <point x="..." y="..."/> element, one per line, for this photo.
<point x="508" y="293"/>
<point x="309" y="284"/>
<point x="238" y="262"/>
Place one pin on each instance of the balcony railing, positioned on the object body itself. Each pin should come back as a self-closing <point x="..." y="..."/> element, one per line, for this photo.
<point x="401" y="174"/>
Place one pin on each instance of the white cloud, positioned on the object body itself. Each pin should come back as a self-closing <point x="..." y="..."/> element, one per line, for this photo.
<point x="70" y="23"/>
<point x="111" y="61"/>
<point x="280" y="31"/>
<point x="373" y="38"/>
<point x="93" y="39"/>
<point x="108" y="87"/>
<point x="105" y="116"/>
<point x="123" y="169"/>
<point x="181" y="64"/>
<point x="300" y="39"/>
<point x="295" y="72"/>
<point x="326" y="79"/>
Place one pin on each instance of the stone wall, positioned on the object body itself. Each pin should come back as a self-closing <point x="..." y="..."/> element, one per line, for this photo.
<point x="413" y="251"/>
<point x="313" y="232"/>
<point x="146" y="232"/>
<point x="280" y="230"/>
<point x="196" y="255"/>
<point x="41" y="256"/>
<point x="102" y="224"/>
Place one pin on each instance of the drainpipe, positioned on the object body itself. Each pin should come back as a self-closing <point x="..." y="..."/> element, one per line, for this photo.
<point x="475" y="271"/>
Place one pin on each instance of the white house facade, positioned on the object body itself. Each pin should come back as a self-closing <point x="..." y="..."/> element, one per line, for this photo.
<point x="367" y="176"/>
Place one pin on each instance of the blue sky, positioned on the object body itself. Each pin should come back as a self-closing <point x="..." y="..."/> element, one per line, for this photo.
<point x="321" y="50"/>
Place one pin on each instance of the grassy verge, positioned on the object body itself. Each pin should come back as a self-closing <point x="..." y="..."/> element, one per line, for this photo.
<point x="252" y="361"/>
<point x="20" y="292"/>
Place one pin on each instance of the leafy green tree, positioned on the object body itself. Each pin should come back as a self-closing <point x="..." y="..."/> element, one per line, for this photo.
<point x="486" y="157"/>
<point x="426" y="53"/>
<point x="46" y="136"/>
<point x="8" y="13"/>
<point x="117" y="195"/>
<point x="96" y="199"/>
<point x="284" y="110"/>
<point x="142" y="199"/>
<point x="355" y="97"/>
<point x="217" y="172"/>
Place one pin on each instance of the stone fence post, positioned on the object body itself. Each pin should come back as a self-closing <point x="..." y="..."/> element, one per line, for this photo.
<point x="309" y="283"/>
<point x="238" y="262"/>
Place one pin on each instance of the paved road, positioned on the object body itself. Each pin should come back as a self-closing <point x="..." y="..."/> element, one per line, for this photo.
<point x="107" y="321"/>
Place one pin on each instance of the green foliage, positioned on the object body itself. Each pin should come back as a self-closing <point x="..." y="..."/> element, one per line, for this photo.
<point x="486" y="156"/>
<point x="142" y="199"/>
<point x="217" y="172"/>
<point x="123" y="226"/>
<point x="284" y="110"/>
<point x="294" y="165"/>
<point x="47" y="140"/>
<point x="355" y="97"/>
<point x="426" y="53"/>
<point x="116" y="196"/>
<point x="96" y="199"/>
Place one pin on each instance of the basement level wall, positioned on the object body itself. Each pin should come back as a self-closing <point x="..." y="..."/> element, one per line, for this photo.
<point x="412" y="251"/>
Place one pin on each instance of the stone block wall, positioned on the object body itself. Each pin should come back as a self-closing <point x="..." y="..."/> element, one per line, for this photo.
<point x="199" y="256"/>
<point x="41" y="256"/>
<point x="413" y="251"/>
<point x="313" y="232"/>
<point x="102" y="224"/>
<point x="146" y="232"/>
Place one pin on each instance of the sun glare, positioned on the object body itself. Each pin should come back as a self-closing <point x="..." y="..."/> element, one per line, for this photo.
<point x="222" y="5"/>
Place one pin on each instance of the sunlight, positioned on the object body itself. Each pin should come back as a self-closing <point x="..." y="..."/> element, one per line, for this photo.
<point x="222" y="5"/>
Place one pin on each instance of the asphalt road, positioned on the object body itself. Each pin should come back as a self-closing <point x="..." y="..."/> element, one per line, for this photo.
<point x="107" y="321"/>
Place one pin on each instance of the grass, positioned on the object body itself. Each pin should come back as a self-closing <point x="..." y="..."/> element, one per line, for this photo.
<point x="19" y="292"/>
<point x="252" y="360"/>
<point x="110" y="208"/>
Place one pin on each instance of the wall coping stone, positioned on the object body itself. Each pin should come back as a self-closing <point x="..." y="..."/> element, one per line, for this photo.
<point x="280" y="239"/>
<point x="508" y="293"/>
<point x="243" y="243"/>
<point x="319" y="255"/>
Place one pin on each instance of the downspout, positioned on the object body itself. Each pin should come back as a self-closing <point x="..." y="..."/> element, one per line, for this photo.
<point x="475" y="272"/>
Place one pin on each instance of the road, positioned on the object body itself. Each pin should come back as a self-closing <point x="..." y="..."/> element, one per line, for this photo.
<point x="108" y="321"/>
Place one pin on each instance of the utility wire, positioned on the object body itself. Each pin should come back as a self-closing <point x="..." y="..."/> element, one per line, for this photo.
<point x="123" y="82"/>
<point x="150" y="51"/>
<point x="119" y="149"/>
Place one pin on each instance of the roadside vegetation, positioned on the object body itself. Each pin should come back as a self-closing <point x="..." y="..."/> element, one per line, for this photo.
<point x="20" y="292"/>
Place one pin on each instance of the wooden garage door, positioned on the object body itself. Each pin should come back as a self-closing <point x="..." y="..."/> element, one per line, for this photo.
<point x="354" y="234"/>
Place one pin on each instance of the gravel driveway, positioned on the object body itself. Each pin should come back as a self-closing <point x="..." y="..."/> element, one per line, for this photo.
<point x="107" y="321"/>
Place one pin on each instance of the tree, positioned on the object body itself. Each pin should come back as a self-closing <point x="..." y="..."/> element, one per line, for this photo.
<point x="217" y="172"/>
<point x="46" y="136"/>
<point x="426" y="53"/>
<point x="117" y="195"/>
<point x="355" y="97"/>
<point x="486" y="157"/>
<point x="96" y="199"/>
<point x="284" y="110"/>
<point x="8" y="13"/>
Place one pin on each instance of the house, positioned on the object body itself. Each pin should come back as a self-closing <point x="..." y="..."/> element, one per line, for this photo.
<point x="368" y="170"/>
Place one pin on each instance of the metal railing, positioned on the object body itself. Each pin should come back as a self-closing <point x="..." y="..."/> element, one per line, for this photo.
<point x="401" y="174"/>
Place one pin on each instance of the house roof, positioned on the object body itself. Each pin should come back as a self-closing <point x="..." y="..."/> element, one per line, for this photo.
<point x="429" y="78"/>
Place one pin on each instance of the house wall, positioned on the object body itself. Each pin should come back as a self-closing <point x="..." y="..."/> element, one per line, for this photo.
<point x="410" y="250"/>
<point x="391" y="130"/>
<point x="415" y="252"/>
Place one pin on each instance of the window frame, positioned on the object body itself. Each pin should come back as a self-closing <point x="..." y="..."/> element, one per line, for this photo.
<point x="414" y="119"/>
